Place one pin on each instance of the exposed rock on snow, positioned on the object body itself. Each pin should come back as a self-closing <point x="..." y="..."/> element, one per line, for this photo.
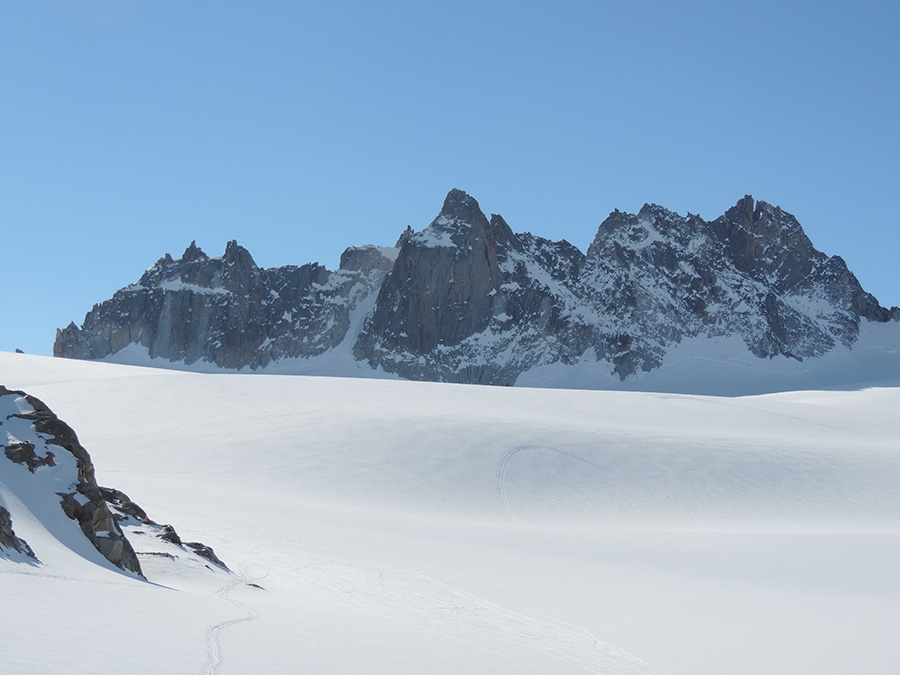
<point x="8" y="538"/>
<point x="60" y="471"/>
<point x="32" y="430"/>
<point x="132" y="518"/>
<point x="468" y="300"/>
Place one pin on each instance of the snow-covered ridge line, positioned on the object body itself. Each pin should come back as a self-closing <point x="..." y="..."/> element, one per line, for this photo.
<point x="468" y="300"/>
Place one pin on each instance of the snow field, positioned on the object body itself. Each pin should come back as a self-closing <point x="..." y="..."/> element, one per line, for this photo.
<point x="411" y="527"/>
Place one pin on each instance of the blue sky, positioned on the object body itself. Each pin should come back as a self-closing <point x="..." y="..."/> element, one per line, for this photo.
<point x="129" y="128"/>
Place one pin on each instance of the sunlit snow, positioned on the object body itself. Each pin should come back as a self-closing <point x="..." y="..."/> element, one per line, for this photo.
<point x="403" y="527"/>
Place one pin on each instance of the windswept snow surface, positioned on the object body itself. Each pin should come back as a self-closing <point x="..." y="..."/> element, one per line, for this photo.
<point x="404" y="527"/>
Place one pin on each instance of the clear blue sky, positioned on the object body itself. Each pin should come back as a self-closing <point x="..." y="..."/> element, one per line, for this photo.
<point x="130" y="127"/>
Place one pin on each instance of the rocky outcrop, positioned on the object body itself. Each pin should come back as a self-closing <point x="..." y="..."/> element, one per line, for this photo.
<point x="32" y="430"/>
<point x="8" y="538"/>
<point x="468" y="300"/>
<point x="132" y="517"/>
<point x="55" y="468"/>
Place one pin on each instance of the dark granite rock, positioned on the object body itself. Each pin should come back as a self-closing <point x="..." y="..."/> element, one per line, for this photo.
<point x="100" y="512"/>
<point x="205" y="552"/>
<point x="8" y="538"/>
<point x="81" y="498"/>
<point x="468" y="300"/>
<point x="227" y="311"/>
<point x="22" y="452"/>
<point x="440" y="289"/>
<point x="129" y="514"/>
<point x="752" y="272"/>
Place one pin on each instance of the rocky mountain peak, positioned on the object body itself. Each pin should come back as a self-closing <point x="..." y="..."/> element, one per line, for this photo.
<point x="240" y="270"/>
<point x="442" y="286"/>
<point x="766" y="242"/>
<point x="743" y="213"/>
<point x="367" y="259"/>
<point x="459" y="223"/>
<point x="193" y="254"/>
<point x="235" y="254"/>
<point x="621" y="231"/>
<point x="406" y="234"/>
<point x="468" y="300"/>
<point x="460" y="207"/>
<point x="766" y="223"/>
<point x="503" y="233"/>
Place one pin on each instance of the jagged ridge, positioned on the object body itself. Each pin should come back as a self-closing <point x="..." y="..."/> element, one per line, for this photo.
<point x="468" y="300"/>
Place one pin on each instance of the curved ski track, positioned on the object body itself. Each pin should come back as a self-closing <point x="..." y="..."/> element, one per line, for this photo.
<point x="503" y="465"/>
<point x="213" y="643"/>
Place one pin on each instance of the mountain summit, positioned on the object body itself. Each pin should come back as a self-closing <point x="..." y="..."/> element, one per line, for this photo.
<point x="468" y="300"/>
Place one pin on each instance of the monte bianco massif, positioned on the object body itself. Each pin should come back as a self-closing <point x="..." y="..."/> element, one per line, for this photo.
<point x="468" y="300"/>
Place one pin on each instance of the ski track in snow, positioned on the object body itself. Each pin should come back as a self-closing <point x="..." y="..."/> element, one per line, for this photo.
<point x="428" y="604"/>
<point x="725" y="599"/>
<point x="213" y="639"/>
<point x="555" y="638"/>
<point x="503" y="466"/>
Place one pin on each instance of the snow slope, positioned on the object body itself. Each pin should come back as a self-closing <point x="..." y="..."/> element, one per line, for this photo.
<point x="725" y="367"/>
<point x="699" y="365"/>
<point x="404" y="527"/>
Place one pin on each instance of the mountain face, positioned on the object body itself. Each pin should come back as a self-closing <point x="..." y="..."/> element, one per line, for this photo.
<point x="468" y="300"/>
<point x="228" y="311"/>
